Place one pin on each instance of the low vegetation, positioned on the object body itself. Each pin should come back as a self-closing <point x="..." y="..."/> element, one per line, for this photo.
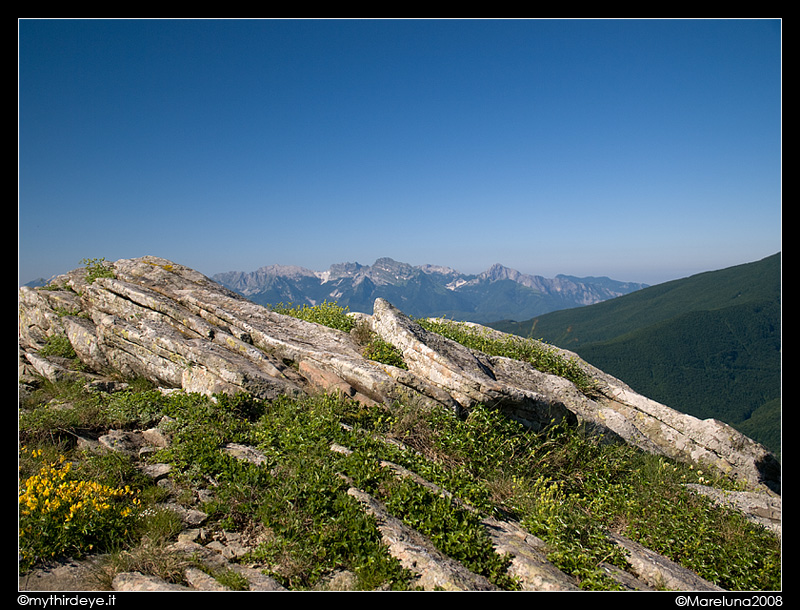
<point x="97" y="268"/>
<point x="64" y="513"/>
<point x="542" y="356"/>
<point x="566" y="488"/>
<point x="327" y="313"/>
<point x="334" y="316"/>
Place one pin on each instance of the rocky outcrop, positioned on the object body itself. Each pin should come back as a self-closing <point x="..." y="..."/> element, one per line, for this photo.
<point x="170" y="324"/>
<point x="537" y="398"/>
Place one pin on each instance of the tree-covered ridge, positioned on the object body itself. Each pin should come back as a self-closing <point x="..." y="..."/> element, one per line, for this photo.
<point x="708" y="345"/>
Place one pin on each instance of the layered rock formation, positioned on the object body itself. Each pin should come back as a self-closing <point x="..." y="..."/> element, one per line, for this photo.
<point x="174" y="326"/>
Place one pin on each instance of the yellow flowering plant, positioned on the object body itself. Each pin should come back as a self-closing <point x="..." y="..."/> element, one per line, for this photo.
<point x="62" y="515"/>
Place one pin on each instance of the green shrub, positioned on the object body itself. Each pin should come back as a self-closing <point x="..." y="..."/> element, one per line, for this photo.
<point x="543" y="357"/>
<point x="334" y="316"/>
<point x="383" y="351"/>
<point x="59" y="346"/>
<point x="327" y="314"/>
<point x="97" y="268"/>
<point x="60" y="515"/>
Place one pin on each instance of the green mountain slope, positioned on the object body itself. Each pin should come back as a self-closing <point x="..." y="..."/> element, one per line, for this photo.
<point x="708" y="345"/>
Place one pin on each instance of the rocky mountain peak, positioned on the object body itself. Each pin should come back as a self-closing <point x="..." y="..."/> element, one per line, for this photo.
<point x="499" y="272"/>
<point x="340" y="270"/>
<point x="426" y="290"/>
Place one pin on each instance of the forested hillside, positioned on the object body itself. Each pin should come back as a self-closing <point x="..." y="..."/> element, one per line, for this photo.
<point x="708" y="345"/>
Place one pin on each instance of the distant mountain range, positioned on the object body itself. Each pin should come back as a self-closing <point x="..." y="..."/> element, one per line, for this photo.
<point x="708" y="345"/>
<point x="427" y="290"/>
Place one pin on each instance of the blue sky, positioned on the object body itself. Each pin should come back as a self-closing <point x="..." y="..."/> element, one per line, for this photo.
<point x="644" y="150"/>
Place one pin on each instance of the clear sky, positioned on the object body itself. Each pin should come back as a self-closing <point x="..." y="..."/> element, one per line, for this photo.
<point x="644" y="150"/>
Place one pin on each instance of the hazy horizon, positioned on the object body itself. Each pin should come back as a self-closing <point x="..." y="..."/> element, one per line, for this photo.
<point x="465" y="272"/>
